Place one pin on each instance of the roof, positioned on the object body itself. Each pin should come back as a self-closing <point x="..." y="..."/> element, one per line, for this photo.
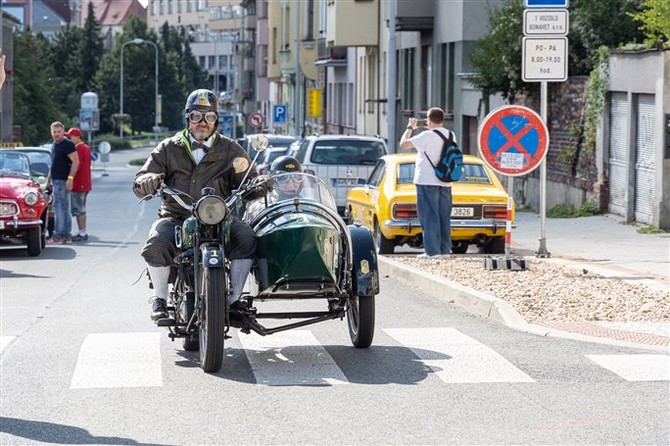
<point x="115" y="12"/>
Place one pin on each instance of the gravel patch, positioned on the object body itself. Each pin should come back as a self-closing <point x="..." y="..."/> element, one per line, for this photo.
<point x="551" y="292"/>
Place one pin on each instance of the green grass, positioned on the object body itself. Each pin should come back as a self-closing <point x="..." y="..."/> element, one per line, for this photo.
<point x="650" y="230"/>
<point x="137" y="162"/>
<point x="566" y="211"/>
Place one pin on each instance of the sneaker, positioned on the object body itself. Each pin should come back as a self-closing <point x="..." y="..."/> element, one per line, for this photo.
<point x="158" y="308"/>
<point x="55" y="241"/>
<point x="67" y="241"/>
<point x="426" y="256"/>
<point x="80" y="238"/>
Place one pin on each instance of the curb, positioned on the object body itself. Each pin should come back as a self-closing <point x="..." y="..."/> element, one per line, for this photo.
<point x="488" y="306"/>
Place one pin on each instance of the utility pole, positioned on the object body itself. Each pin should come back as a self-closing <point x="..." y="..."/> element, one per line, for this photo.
<point x="391" y="80"/>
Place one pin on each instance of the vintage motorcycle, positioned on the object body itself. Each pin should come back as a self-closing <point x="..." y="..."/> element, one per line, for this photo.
<point x="305" y="252"/>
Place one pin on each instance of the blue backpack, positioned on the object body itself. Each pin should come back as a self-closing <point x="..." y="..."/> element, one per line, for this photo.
<point x="449" y="167"/>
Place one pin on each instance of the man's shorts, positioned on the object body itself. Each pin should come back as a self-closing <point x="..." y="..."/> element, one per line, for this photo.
<point x="78" y="203"/>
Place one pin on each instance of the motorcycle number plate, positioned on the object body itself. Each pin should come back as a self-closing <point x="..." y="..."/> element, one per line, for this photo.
<point x="462" y="212"/>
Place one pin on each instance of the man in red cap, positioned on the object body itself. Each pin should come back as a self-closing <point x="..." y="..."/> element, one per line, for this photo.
<point x="81" y="185"/>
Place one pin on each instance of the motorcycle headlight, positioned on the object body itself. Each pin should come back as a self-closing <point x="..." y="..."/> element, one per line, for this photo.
<point x="211" y="210"/>
<point x="31" y="198"/>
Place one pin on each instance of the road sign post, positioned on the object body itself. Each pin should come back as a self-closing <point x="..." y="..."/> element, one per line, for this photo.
<point x="279" y="114"/>
<point x="513" y="140"/>
<point x="256" y="120"/>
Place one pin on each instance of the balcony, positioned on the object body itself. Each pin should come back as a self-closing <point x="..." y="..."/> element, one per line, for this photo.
<point x="333" y="56"/>
<point x="415" y="16"/>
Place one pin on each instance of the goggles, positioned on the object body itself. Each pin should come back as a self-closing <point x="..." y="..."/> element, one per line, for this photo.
<point x="289" y="178"/>
<point x="194" y="116"/>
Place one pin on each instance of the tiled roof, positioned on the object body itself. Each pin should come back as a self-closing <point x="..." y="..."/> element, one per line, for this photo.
<point x="116" y="12"/>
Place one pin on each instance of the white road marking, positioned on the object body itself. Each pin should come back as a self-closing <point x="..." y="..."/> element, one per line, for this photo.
<point x="108" y="360"/>
<point x="457" y="358"/>
<point x="5" y="341"/>
<point x="636" y="367"/>
<point x="291" y="358"/>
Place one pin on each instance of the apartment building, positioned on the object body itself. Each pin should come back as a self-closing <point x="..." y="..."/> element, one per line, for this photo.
<point x="213" y="28"/>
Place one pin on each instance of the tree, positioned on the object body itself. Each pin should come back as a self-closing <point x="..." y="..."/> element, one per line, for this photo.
<point x="593" y="23"/>
<point x="34" y="105"/>
<point x="655" y="19"/>
<point x="62" y="57"/>
<point x="89" y="53"/>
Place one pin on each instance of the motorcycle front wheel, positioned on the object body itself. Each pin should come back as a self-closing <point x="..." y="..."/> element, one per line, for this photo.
<point x="213" y="291"/>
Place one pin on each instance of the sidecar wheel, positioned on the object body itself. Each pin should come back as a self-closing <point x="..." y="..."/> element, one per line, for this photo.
<point x="361" y="320"/>
<point x="213" y="291"/>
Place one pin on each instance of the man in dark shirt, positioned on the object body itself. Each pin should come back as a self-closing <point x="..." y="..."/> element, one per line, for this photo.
<point x="64" y="165"/>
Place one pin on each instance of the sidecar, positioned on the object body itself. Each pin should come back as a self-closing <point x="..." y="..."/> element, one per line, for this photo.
<point x="306" y="253"/>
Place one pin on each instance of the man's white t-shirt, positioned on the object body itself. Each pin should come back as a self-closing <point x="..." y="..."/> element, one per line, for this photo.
<point x="428" y="143"/>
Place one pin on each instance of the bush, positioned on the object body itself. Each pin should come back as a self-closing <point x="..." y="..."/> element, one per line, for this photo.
<point x="116" y="142"/>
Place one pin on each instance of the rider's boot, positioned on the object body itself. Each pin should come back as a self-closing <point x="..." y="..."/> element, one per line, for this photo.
<point x="239" y="271"/>
<point x="160" y="275"/>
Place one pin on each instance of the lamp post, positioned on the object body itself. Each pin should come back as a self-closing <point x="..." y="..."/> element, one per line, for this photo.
<point x="137" y="41"/>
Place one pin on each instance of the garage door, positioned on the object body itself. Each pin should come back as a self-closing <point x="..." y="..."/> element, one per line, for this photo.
<point x="618" y="154"/>
<point x="644" y="159"/>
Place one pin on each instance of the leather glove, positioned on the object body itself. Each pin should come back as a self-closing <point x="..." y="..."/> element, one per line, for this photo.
<point x="265" y="181"/>
<point x="148" y="183"/>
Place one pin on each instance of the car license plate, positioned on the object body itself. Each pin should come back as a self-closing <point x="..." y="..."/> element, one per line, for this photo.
<point x="462" y="212"/>
<point x="345" y="181"/>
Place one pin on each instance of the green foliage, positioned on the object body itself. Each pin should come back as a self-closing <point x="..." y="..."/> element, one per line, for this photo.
<point x="593" y="23"/>
<point x="497" y="57"/>
<point x="89" y="52"/>
<point x="655" y="22"/>
<point x="114" y="141"/>
<point x="650" y="230"/>
<point x="596" y="92"/>
<point x="34" y="90"/>
<point x="587" y="209"/>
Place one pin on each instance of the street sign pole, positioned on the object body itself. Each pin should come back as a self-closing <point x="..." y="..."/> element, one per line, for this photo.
<point x="542" y="249"/>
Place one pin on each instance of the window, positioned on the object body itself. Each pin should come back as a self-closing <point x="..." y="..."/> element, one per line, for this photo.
<point x="161" y="7"/>
<point x="223" y="61"/>
<point x="211" y="62"/>
<point x="189" y="5"/>
<point x="364" y="153"/>
<point x="406" y="173"/>
<point x="178" y="6"/>
<point x="377" y="174"/>
<point x="169" y="6"/>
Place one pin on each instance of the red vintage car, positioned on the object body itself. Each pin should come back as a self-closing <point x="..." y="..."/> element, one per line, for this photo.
<point x="23" y="204"/>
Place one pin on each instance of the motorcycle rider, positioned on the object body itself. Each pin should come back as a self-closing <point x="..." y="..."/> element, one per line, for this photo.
<point x="196" y="157"/>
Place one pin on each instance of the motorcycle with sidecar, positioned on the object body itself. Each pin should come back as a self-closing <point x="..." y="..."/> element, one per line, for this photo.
<point x="310" y="267"/>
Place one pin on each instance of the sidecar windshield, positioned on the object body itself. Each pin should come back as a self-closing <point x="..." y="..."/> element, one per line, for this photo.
<point x="288" y="186"/>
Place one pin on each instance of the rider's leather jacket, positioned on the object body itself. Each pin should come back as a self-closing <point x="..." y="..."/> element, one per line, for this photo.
<point x="223" y="168"/>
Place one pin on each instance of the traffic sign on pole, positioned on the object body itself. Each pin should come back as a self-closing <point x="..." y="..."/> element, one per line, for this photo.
<point x="544" y="59"/>
<point x="256" y="120"/>
<point x="546" y="3"/>
<point x="542" y="22"/>
<point x="279" y="114"/>
<point x="513" y="140"/>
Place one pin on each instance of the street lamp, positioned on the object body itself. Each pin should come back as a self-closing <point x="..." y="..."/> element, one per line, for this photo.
<point x="137" y="41"/>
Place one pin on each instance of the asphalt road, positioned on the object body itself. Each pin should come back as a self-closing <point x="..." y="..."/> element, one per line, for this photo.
<point x="82" y="364"/>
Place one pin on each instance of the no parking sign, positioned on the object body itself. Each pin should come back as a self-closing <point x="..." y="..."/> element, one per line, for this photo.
<point x="513" y="140"/>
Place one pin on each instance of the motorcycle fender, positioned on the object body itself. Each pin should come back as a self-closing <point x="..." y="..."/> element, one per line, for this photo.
<point x="365" y="272"/>
<point x="212" y="256"/>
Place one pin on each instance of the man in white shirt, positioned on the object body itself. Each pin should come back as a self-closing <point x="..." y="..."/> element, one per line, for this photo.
<point x="433" y="197"/>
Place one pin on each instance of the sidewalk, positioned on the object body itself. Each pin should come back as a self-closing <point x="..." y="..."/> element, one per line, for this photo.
<point x="600" y="244"/>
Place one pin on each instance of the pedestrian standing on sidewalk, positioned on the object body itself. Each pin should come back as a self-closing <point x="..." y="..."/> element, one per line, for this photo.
<point x="433" y="197"/>
<point x="81" y="185"/>
<point x="64" y="165"/>
<point x="2" y="69"/>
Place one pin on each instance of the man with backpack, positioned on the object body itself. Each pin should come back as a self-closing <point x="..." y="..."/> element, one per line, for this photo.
<point x="433" y="195"/>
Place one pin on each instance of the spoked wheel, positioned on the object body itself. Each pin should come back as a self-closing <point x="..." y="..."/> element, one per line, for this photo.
<point x="361" y="320"/>
<point x="213" y="291"/>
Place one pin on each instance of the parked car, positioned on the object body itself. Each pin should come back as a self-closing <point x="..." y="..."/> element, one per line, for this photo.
<point x="266" y="158"/>
<point x="341" y="161"/>
<point x="23" y="204"/>
<point x="386" y="204"/>
<point x="40" y="164"/>
<point x="276" y="141"/>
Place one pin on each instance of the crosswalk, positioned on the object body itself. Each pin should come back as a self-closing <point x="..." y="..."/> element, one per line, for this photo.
<point x="296" y="357"/>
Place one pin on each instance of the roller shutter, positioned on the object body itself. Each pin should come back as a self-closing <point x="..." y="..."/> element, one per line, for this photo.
<point x="644" y="159"/>
<point x="618" y="154"/>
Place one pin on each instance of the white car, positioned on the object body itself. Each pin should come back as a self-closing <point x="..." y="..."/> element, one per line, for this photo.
<point x="341" y="161"/>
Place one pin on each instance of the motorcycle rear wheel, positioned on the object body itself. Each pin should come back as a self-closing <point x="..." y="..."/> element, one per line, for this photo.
<point x="213" y="291"/>
<point x="361" y="320"/>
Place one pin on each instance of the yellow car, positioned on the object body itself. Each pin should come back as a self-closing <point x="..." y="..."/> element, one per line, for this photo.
<point x="387" y="205"/>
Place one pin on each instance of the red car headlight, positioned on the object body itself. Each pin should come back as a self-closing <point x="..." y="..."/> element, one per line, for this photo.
<point x="31" y="198"/>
